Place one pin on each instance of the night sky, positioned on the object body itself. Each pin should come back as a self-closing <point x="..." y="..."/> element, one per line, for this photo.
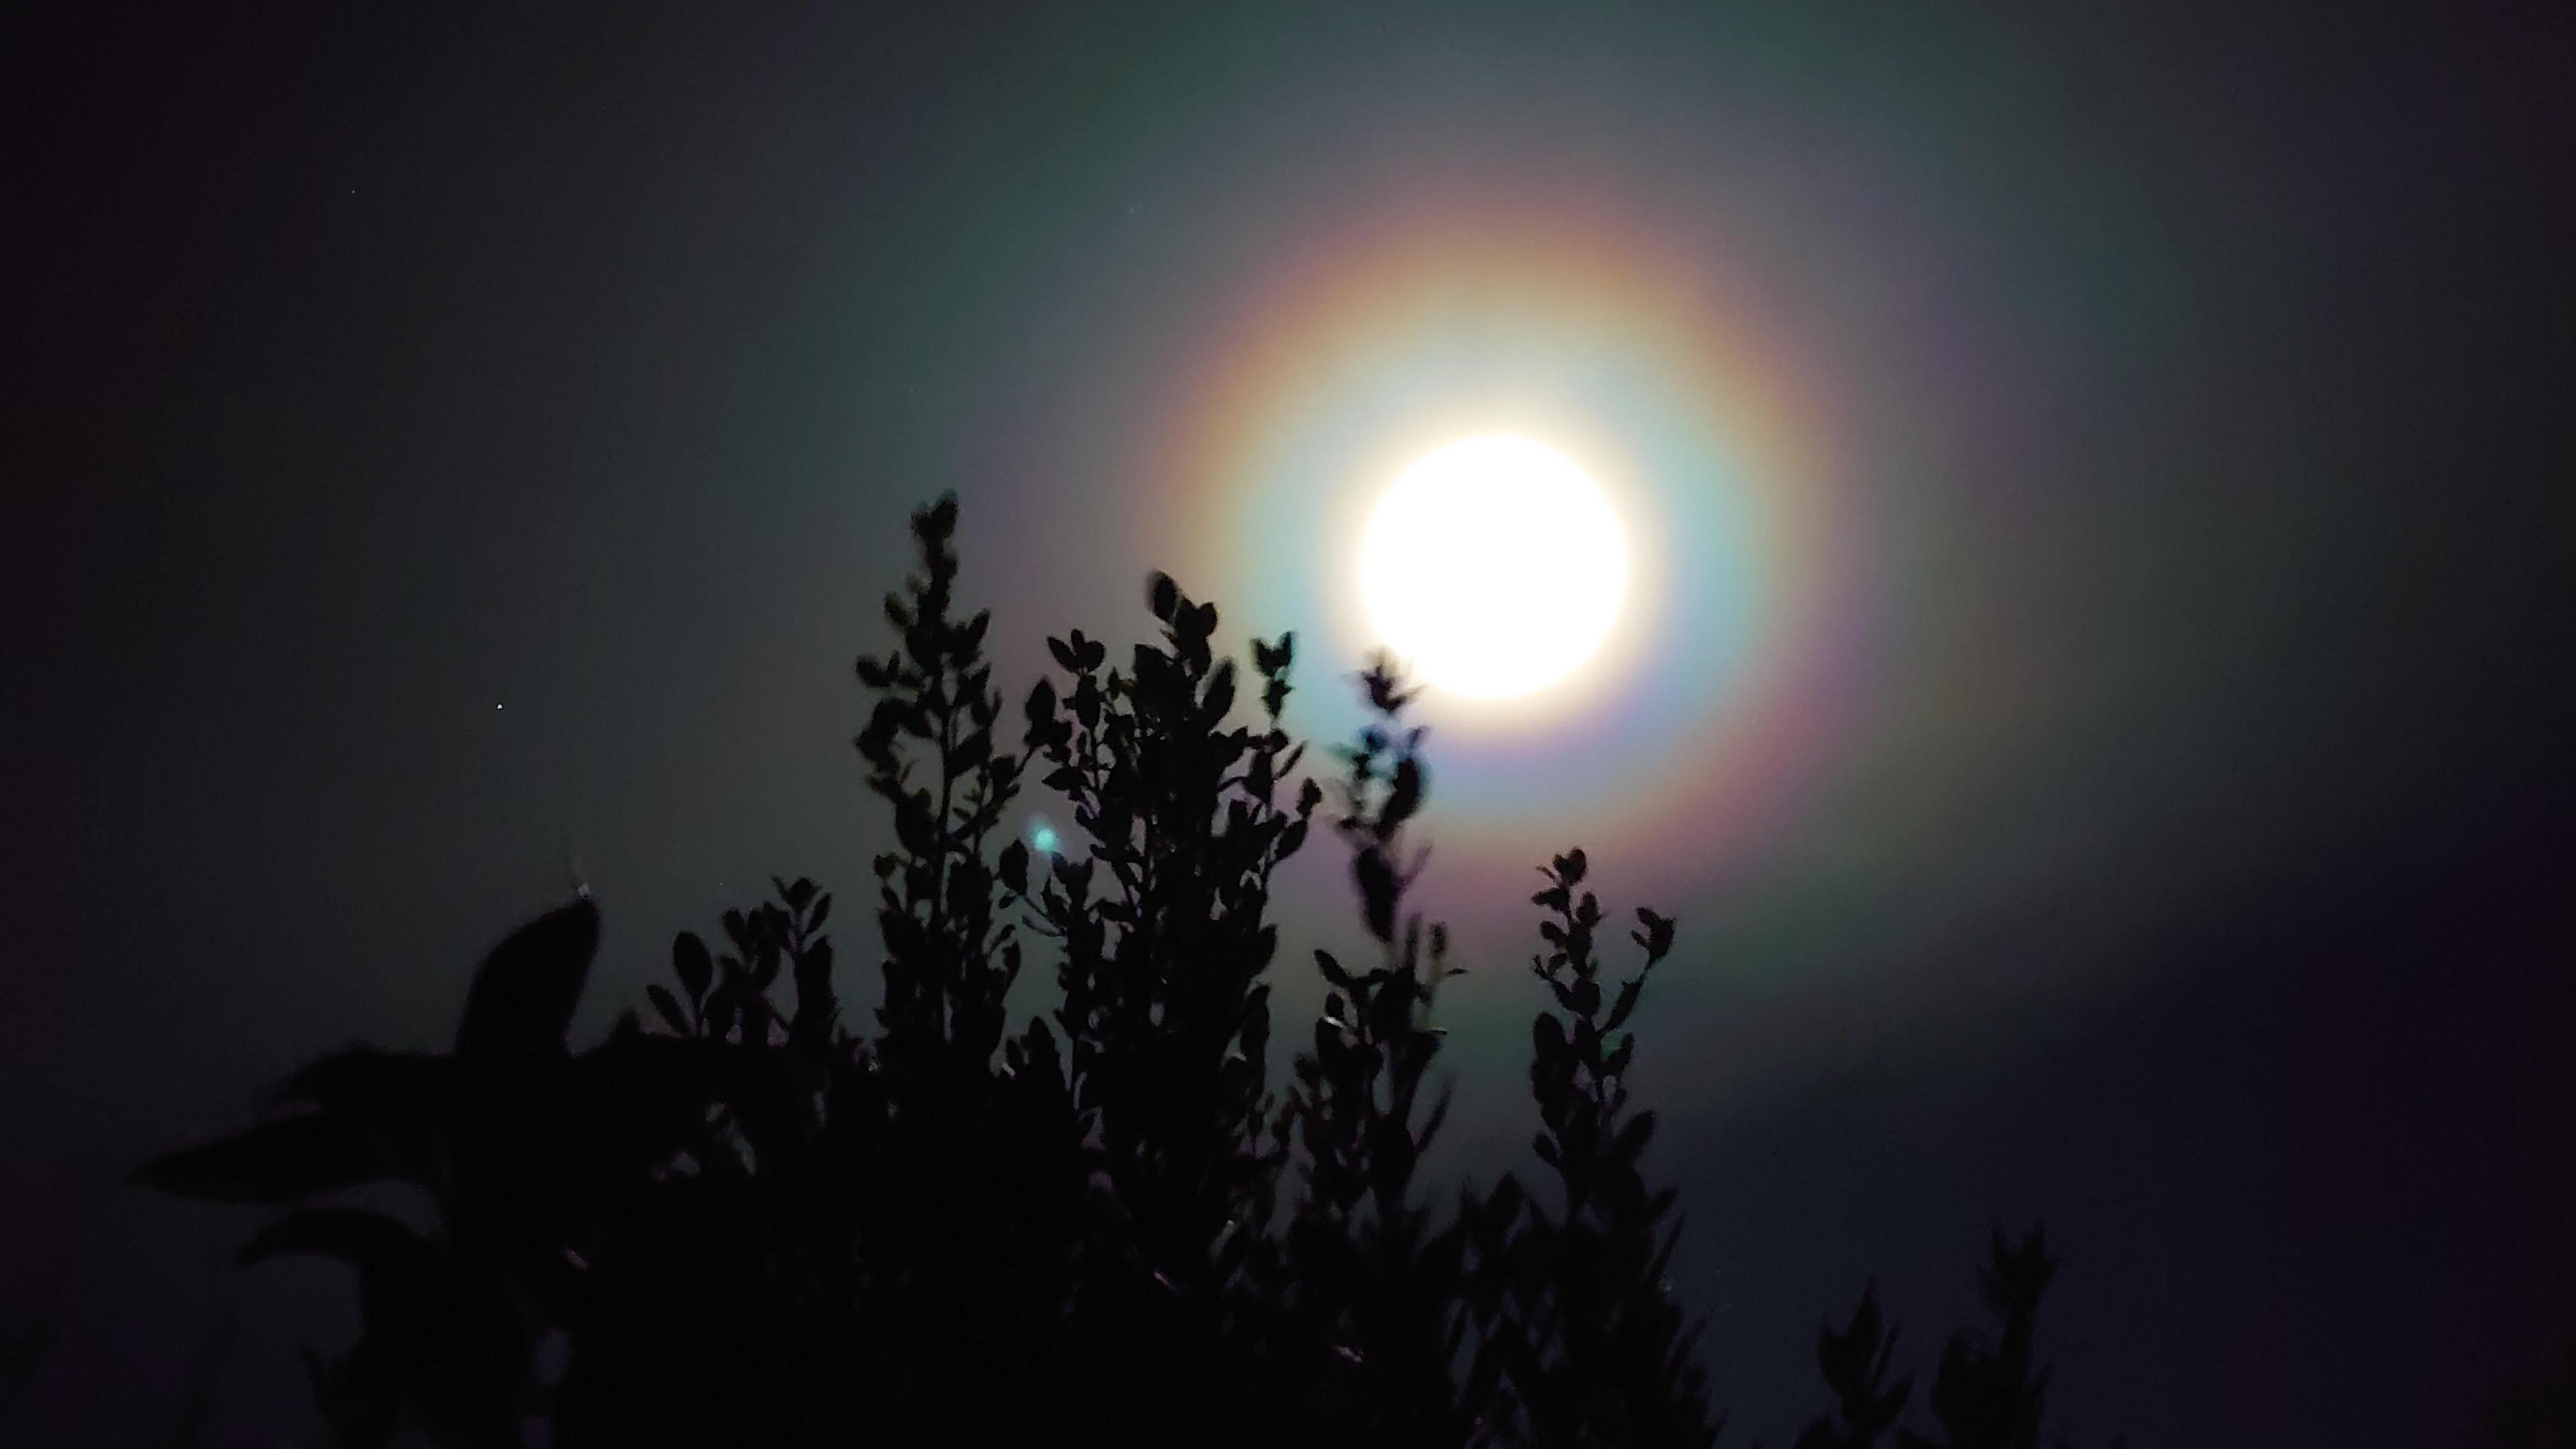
<point x="2102" y="717"/>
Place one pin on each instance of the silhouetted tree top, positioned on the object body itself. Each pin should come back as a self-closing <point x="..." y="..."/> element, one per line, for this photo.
<point x="752" y="1222"/>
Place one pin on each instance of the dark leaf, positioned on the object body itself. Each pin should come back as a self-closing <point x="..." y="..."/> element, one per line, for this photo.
<point x="1657" y="938"/>
<point x="1378" y="890"/>
<point x="1220" y="695"/>
<point x="691" y="963"/>
<point x="275" y="1162"/>
<point x="522" y="999"/>
<point x="669" y="1005"/>
<point x="1402" y="799"/>
<point x="1547" y="1035"/>
<point x="1626" y="1003"/>
<point x="914" y="828"/>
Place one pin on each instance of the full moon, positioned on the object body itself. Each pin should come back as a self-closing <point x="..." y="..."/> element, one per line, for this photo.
<point x="1493" y="567"/>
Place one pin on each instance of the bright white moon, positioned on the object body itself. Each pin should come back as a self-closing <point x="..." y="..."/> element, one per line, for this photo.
<point x="1493" y="567"/>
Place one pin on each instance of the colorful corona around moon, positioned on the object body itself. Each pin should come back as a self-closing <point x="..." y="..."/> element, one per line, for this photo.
<point x="1732" y="669"/>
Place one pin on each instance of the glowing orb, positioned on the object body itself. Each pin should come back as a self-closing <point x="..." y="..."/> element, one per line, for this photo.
<point x="1493" y="567"/>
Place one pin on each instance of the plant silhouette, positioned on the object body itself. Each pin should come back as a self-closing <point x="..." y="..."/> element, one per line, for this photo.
<point x="1993" y="1394"/>
<point x="1855" y="1362"/>
<point x="752" y="1223"/>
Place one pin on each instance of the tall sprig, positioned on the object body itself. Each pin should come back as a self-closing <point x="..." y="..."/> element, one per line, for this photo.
<point x="949" y="960"/>
<point x="1163" y="920"/>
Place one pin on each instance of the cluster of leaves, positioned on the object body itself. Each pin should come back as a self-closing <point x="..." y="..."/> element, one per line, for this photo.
<point x="1603" y="1355"/>
<point x="1989" y="1393"/>
<point x="755" y="1224"/>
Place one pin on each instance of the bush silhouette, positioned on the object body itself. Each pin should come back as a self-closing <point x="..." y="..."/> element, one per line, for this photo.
<point x="750" y="1223"/>
<point x="1994" y="1395"/>
<point x="1855" y="1365"/>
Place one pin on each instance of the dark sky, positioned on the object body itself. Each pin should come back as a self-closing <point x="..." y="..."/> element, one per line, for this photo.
<point x="2196" y="871"/>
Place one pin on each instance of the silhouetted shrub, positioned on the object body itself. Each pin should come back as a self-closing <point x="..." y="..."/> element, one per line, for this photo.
<point x="1992" y="1394"/>
<point x="752" y="1224"/>
<point x="1855" y="1365"/>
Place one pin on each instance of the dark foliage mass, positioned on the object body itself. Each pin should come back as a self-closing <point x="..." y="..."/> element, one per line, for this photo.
<point x="750" y="1221"/>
